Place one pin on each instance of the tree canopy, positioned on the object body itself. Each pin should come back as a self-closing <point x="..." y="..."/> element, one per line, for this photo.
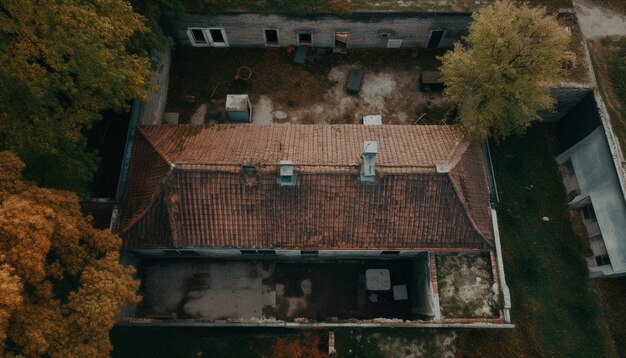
<point x="61" y="64"/>
<point x="497" y="81"/>
<point x="61" y="282"/>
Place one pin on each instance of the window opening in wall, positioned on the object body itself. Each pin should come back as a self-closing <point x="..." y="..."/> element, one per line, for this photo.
<point x="305" y="38"/>
<point x="172" y="252"/>
<point x="218" y="37"/>
<point x="435" y="38"/>
<point x="309" y="252"/>
<point x="589" y="213"/>
<point x="271" y="37"/>
<point x="197" y="36"/>
<point x="266" y="252"/>
<point x="390" y="253"/>
<point x="603" y="260"/>
<point x="248" y="252"/>
<point x="341" y="42"/>
<point x="394" y="43"/>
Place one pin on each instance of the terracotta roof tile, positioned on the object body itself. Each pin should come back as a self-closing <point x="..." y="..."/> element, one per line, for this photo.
<point x="209" y="200"/>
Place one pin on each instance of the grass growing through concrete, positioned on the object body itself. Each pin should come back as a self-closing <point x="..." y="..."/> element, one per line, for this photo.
<point x="554" y="308"/>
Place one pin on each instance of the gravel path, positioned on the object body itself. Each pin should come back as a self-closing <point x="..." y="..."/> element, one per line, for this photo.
<point x="597" y="21"/>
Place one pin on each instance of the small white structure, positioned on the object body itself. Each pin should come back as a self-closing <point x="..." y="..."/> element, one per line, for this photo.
<point x="238" y="108"/>
<point x="368" y="169"/>
<point x="373" y="120"/>
<point x="377" y="279"/>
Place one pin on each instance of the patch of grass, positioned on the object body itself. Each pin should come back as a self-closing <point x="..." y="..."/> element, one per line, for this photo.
<point x="609" y="62"/>
<point x="579" y="71"/>
<point x="394" y="342"/>
<point x="555" y="311"/>
<point x="172" y="342"/>
<point x="612" y="293"/>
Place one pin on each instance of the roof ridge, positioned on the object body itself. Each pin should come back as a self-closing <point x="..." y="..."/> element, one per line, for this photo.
<point x="456" y="154"/>
<point x="153" y="145"/>
<point x="151" y="201"/>
<point x="468" y="214"/>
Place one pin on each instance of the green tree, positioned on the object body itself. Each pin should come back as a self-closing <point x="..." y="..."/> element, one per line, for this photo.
<point x="497" y="82"/>
<point x="61" y="64"/>
<point x="61" y="282"/>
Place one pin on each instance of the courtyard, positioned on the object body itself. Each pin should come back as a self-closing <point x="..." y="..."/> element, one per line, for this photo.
<point x="315" y="92"/>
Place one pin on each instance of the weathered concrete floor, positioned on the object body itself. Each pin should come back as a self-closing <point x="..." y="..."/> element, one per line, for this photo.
<point x="203" y="289"/>
<point x="218" y="290"/>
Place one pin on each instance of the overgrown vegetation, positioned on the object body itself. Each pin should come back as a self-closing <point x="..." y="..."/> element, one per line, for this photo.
<point x="555" y="311"/>
<point x="464" y="283"/>
<point x="496" y="82"/>
<point x="184" y="342"/>
<point x="62" y="63"/>
<point x="61" y="284"/>
<point x="609" y="62"/>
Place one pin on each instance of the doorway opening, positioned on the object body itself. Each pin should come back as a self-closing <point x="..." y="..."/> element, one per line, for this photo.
<point x="341" y="42"/>
<point x="271" y="37"/>
<point x="435" y="38"/>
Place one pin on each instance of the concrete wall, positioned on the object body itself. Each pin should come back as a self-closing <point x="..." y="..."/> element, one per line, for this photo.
<point x="567" y="96"/>
<point x="597" y="178"/>
<point x="218" y="253"/>
<point x="152" y="109"/>
<point x="423" y="303"/>
<point x="366" y="29"/>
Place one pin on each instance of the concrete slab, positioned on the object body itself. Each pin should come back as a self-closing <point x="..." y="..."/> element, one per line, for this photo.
<point x="203" y="289"/>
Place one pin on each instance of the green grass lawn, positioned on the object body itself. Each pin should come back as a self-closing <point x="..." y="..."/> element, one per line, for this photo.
<point x="175" y="342"/>
<point x="554" y="308"/>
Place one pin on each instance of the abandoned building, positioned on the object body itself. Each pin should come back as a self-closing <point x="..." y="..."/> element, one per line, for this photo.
<point x="593" y="186"/>
<point x="359" y="29"/>
<point x="312" y="225"/>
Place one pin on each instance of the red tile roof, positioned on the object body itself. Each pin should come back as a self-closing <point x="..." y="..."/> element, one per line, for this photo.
<point x="188" y="188"/>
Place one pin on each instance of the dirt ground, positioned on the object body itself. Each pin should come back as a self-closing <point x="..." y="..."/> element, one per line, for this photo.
<point x="283" y="92"/>
<point x="465" y="283"/>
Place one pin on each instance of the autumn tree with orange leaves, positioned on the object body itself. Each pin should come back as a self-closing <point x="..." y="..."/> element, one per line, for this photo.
<point x="63" y="63"/>
<point x="298" y="346"/>
<point x="60" y="278"/>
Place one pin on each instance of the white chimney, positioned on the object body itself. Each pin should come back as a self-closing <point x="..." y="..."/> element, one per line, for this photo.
<point x="287" y="177"/>
<point x="368" y="170"/>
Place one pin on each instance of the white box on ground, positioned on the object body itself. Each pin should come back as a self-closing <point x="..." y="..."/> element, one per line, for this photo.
<point x="238" y="108"/>
<point x="373" y="120"/>
<point x="377" y="279"/>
